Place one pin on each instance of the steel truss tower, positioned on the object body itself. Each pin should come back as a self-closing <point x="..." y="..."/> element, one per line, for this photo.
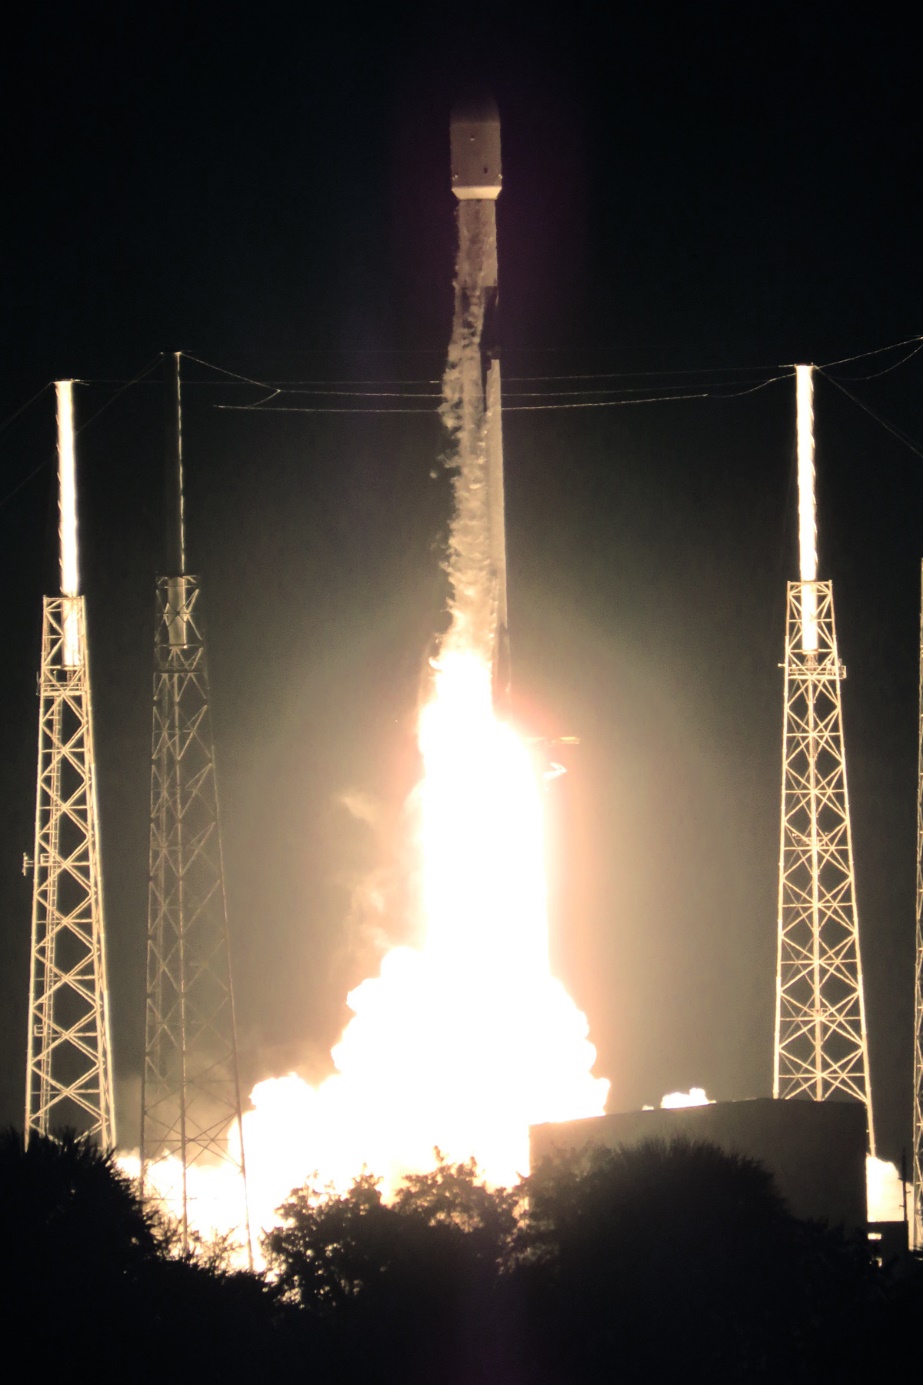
<point x="68" y="1065"/>
<point x="191" y="1108"/>
<point x="821" y="1045"/>
<point x="917" y="1227"/>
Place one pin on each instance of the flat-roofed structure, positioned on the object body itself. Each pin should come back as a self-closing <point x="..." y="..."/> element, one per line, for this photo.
<point x="815" y="1150"/>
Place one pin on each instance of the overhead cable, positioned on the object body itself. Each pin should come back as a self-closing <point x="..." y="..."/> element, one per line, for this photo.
<point x="895" y="432"/>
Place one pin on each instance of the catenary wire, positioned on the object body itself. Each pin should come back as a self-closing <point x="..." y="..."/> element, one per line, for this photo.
<point x="876" y="351"/>
<point x="877" y="374"/>
<point x="895" y="432"/>
<point x="23" y="407"/>
<point x="294" y="386"/>
<point x="86" y="423"/>
<point x="118" y="394"/>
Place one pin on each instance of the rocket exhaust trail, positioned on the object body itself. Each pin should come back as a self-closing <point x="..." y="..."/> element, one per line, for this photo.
<point x="476" y="561"/>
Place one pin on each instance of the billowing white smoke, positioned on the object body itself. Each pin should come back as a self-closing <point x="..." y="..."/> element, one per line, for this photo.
<point x="677" y="1100"/>
<point x="885" y="1190"/>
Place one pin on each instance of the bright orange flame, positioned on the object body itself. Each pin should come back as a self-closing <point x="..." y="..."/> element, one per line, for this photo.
<point x="483" y="871"/>
<point x="465" y="1042"/>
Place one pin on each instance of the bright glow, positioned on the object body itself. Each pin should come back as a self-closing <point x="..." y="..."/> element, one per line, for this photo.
<point x="181" y="517"/>
<point x="480" y="804"/>
<point x="67" y="522"/>
<point x="695" y="1096"/>
<point x="885" y="1190"/>
<point x="67" y="489"/>
<point x="213" y="1190"/>
<point x="463" y="1043"/>
<point x="807" y="507"/>
<point x="467" y="1040"/>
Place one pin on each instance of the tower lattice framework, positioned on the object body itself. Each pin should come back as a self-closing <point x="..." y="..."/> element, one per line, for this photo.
<point x="69" y="1066"/>
<point x="191" y="1107"/>
<point x="917" y="1228"/>
<point x="821" y="1045"/>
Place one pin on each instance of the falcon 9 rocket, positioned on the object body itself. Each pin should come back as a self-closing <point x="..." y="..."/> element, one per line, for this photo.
<point x="477" y="543"/>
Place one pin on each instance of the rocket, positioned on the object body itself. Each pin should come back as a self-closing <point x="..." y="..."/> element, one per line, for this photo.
<point x="476" y="182"/>
<point x="475" y="143"/>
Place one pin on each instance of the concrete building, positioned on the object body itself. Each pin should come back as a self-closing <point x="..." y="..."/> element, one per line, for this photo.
<point x="815" y="1150"/>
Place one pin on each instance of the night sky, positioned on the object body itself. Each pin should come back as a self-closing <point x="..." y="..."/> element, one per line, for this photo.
<point x="713" y="189"/>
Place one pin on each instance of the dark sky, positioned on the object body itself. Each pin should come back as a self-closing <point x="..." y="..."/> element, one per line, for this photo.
<point x="708" y="188"/>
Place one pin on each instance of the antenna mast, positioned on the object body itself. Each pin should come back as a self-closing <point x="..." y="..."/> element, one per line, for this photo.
<point x="916" y="1230"/>
<point x="191" y="1128"/>
<point x="69" y="1062"/>
<point x="821" y="1046"/>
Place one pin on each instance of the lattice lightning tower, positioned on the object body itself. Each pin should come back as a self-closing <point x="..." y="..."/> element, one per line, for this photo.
<point x="68" y="1064"/>
<point x="821" y="1046"/>
<point x="191" y="1109"/>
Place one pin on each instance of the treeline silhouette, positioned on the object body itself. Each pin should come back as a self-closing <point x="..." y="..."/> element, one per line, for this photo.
<point x="661" y="1262"/>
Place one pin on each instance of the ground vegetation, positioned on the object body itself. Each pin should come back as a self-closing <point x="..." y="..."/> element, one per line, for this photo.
<point x="659" y="1262"/>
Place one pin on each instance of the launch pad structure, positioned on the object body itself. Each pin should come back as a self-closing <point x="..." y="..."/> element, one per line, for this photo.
<point x="814" y="1150"/>
<point x="190" y="1096"/>
<point x="821" y="1042"/>
<point x="69" y="1058"/>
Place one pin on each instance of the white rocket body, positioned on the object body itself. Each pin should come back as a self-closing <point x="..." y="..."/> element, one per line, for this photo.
<point x="476" y="182"/>
<point x="475" y="139"/>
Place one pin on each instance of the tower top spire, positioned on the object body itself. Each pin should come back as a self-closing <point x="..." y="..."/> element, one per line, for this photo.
<point x="174" y="508"/>
<point x="67" y="489"/>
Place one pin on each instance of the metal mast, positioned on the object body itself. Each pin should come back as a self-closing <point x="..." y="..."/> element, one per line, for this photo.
<point x="821" y="1045"/>
<point x="69" y="1063"/>
<point x="191" y="1133"/>
<point x="916" y="1232"/>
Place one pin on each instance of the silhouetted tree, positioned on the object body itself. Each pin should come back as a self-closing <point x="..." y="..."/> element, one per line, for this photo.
<point x="72" y="1237"/>
<point x="659" y="1260"/>
<point x="90" y="1290"/>
<point x="408" y="1290"/>
<point x="67" y="1192"/>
